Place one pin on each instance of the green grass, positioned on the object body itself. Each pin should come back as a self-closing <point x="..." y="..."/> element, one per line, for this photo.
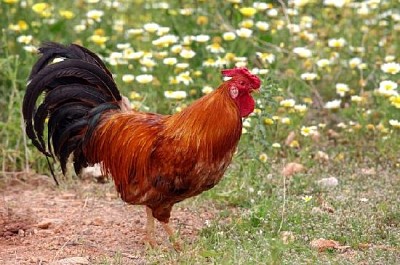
<point x="255" y="204"/>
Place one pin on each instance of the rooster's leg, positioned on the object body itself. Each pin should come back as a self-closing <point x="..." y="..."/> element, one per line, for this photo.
<point x="150" y="228"/>
<point x="172" y="236"/>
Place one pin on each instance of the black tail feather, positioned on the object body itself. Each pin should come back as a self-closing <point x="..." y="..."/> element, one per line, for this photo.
<point x="78" y="89"/>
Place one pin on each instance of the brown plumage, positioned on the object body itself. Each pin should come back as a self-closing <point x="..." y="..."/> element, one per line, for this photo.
<point x="155" y="160"/>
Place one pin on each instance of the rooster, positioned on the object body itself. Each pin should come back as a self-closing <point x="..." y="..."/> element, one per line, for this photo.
<point x="155" y="160"/>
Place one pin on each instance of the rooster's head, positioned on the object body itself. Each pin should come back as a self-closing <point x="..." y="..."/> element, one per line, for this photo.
<point x="240" y="85"/>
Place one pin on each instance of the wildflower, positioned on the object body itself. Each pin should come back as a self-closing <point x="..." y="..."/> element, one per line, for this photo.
<point x="176" y="48"/>
<point x="389" y="58"/>
<point x="202" y="20"/>
<point x="215" y="48"/>
<point x="263" y="157"/>
<point x="387" y="88"/>
<point x="25" y="39"/>
<point x="285" y="120"/>
<point x="276" y="145"/>
<point x="20" y="26"/>
<point x="248" y="23"/>
<point x="322" y="63"/>
<point x="182" y="66"/>
<point x="148" y="62"/>
<point x="184" y="78"/>
<point x="95" y="15"/>
<point x="165" y="41"/>
<point x="354" y="62"/>
<point x="336" y="3"/>
<point x="99" y="40"/>
<point x="31" y="49"/>
<point x="79" y="28"/>
<point x="151" y="27"/>
<point x="294" y="144"/>
<point x="342" y="89"/>
<point x="263" y="26"/>
<point x="307" y="131"/>
<point x="175" y="94"/>
<point x="244" y="32"/>
<point x="262" y="6"/>
<point x="202" y="38"/>
<point x="43" y="9"/>
<point x="134" y="32"/>
<point x="248" y="11"/>
<point x="66" y="14"/>
<point x="187" y="54"/>
<point x="207" y="90"/>
<point x="266" y="57"/>
<point x="10" y="1"/>
<point x="287" y="103"/>
<point x="300" y="108"/>
<point x="268" y="121"/>
<point x="144" y="79"/>
<point x="334" y="104"/>
<point x="356" y="98"/>
<point x="273" y="12"/>
<point x="229" y="36"/>
<point x="395" y="101"/>
<point x="170" y="61"/>
<point x="391" y="68"/>
<point x="395" y="123"/>
<point x="336" y="43"/>
<point x="301" y="3"/>
<point x="306" y="198"/>
<point x="135" y="95"/>
<point x="246" y="123"/>
<point x="128" y="78"/>
<point x="302" y="52"/>
<point x="309" y="76"/>
<point x="162" y="31"/>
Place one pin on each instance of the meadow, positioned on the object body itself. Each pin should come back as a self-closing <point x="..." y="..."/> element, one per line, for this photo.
<point x="318" y="159"/>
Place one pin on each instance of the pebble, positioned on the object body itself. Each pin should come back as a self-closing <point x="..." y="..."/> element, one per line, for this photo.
<point x="330" y="182"/>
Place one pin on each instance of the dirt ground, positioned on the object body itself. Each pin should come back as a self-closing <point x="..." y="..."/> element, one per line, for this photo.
<point x="79" y="223"/>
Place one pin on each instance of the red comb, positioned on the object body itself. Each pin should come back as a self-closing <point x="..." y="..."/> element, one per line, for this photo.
<point x="242" y="71"/>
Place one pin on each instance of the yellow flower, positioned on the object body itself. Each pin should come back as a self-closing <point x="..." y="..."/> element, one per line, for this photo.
<point x="99" y="40"/>
<point x="268" y="121"/>
<point x="307" y="198"/>
<point x="395" y="101"/>
<point x="66" y="14"/>
<point x="10" y="1"/>
<point x="20" y="26"/>
<point x="248" y="11"/>
<point x="248" y="23"/>
<point x="202" y="20"/>
<point x="42" y="9"/>
<point x="294" y="144"/>
<point x="135" y="95"/>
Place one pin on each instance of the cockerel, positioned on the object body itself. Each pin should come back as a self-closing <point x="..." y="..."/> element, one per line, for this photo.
<point x="155" y="160"/>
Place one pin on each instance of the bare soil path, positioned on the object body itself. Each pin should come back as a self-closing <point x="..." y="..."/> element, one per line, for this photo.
<point x="43" y="224"/>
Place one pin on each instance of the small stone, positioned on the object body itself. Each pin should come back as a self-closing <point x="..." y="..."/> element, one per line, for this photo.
<point x="330" y="182"/>
<point x="21" y="233"/>
<point x="71" y="261"/>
